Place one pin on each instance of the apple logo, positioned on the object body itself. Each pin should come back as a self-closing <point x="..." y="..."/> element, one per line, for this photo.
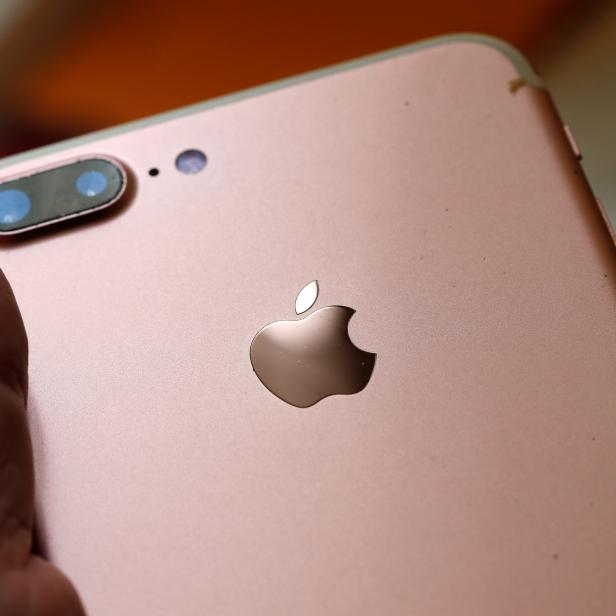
<point x="306" y="360"/>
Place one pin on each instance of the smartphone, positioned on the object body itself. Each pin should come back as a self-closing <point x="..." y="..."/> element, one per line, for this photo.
<point x="343" y="344"/>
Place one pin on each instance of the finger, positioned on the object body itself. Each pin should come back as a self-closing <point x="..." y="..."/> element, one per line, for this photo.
<point x="38" y="589"/>
<point x="29" y="586"/>
<point x="16" y="469"/>
<point x="13" y="341"/>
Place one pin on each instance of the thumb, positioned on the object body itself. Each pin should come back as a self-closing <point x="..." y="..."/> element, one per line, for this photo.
<point x="29" y="586"/>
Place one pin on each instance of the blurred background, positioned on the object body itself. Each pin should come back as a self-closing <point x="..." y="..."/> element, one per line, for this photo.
<point x="73" y="66"/>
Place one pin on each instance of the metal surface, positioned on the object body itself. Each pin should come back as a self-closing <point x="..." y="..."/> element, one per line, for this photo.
<point x="304" y="361"/>
<point x="472" y="476"/>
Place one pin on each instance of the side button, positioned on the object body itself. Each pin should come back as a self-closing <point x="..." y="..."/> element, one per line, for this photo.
<point x="572" y="142"/>
<point x="606" y="219"/>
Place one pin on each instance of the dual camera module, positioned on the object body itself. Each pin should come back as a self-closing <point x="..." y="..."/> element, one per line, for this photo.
<point x="71" y="190"/>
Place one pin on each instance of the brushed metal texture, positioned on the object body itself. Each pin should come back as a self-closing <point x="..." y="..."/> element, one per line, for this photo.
<point x="472" y="476"/>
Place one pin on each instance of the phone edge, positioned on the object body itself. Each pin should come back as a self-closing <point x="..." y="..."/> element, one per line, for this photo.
<point x="518" y="60"/>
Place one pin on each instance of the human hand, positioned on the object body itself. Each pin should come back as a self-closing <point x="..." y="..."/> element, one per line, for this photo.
<point x="29" y="585"/>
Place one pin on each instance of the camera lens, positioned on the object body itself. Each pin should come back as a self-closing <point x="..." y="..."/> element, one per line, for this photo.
<point x="190" y="161"/>
<point x="14" y="206"/>
<point x="66" y="191"/>
<point x="91" y="183"/>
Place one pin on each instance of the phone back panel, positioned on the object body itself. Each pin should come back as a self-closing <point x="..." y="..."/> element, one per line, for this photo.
<point x="437" y="196"/>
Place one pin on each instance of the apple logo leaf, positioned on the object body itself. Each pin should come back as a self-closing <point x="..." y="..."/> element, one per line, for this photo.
<point x="307" y="297"/>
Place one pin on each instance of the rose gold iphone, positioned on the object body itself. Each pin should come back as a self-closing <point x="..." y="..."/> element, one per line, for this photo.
<point x="342" y="345"/>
